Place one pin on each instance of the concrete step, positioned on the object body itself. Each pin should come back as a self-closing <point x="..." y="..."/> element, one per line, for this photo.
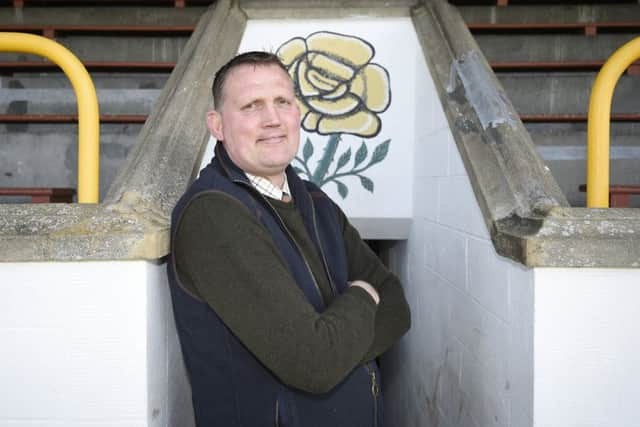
<point x="45" y="155"/>
<point x="550" y="47"/>
<point x="569" y="170"/>
<point x="101" y="80"/>
<point x="563" y="147"/>
<point x="62" y="101"/>
<point x="114" y="48"/>
<point x="565" y="93"/>
<point x="558" y="13"/>
<point x="622" y="134"/>
<point x="52" y="17"/>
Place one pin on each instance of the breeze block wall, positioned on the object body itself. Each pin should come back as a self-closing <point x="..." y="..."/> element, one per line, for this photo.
<point x="468" y="358"/>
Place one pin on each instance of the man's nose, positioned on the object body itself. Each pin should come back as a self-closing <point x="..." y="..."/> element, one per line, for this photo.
<point x="271" y="115"/>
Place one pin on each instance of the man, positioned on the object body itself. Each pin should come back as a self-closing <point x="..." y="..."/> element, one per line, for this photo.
<point x="280" y="307"/>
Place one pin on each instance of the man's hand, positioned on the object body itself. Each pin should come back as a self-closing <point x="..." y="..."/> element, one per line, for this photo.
<point x="367" y="287"/>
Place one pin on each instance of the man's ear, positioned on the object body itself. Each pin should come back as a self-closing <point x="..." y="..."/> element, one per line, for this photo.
<point x="214" y="123"/>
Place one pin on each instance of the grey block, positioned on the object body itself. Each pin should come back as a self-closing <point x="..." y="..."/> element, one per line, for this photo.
<point x="114" y="47"/>
<point x="61" y="101"/>
<point x="563" y="147"/>
<point x="101" y="80"/>
<point x="565" y="93"/>
<point x="550" y="46"/>
<point x="122" y="15"/>
<point x="575" y="133"/>
<point x="561" y="13"/>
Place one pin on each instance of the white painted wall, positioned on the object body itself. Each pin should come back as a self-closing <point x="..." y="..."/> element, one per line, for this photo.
<point x="89" y="343"/>
<point x="467" y="360"/>
<point x="587" y="347"/>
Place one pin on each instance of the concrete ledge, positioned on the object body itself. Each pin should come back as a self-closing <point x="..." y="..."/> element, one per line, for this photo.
<point x="72" y="232"/>
<point x="572" y="237"/>
<point x="528" y="216"/>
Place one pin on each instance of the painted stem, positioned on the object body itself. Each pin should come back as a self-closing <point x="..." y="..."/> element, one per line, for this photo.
<point x="327" y="158"/>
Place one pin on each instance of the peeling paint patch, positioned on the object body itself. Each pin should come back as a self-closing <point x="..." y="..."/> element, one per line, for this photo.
<point x="490" y="103"/>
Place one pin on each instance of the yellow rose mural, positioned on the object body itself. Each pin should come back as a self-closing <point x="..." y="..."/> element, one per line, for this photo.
<point x="338" y="88"/>
<point x="340" y="91"/>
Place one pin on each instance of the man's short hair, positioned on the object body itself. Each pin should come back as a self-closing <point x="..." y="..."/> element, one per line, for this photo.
<point x="255" y="58"/>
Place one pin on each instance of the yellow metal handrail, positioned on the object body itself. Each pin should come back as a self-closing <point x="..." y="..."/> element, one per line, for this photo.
<point x="88" y="115"/>
<point x="598" y="122"/>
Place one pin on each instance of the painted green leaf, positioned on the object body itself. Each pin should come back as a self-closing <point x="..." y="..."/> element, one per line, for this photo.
<point x="361" y="154"/>
<point x="307" y="150"/>
<point x="343" y="190"/>
<point x="366" y="183"/>
<point x="380" y="152"/>
<point x="344" y="159"/>
<point x="299" y="171"/>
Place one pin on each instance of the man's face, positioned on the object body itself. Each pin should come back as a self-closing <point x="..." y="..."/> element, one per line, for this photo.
<point x="259" y="121"/>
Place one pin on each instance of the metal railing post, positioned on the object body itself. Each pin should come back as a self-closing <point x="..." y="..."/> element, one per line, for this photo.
<point x="599" y="122"/>
<point x="88" y="113"/>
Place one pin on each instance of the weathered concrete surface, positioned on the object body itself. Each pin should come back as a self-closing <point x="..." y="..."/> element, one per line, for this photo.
<point x="528" y="216"/>
<point x="72" y="232"/>
<point x="572" y="237"/>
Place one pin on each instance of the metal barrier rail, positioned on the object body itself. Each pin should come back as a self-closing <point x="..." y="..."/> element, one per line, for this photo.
<point x="599" y="122"/>
<point x="88" y="113"/>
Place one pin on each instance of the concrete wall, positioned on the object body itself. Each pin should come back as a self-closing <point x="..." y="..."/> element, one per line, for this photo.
<point x="467" y="360"/>
<point x="586" y="347"/>
<point x="46" y="155"/>
<point x="89" y="343"/>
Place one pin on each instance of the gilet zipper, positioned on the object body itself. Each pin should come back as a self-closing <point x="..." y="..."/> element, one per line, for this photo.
<point x="334" y="290"/>
<point x="375" y="390"/>
<point x="375" y="387"/>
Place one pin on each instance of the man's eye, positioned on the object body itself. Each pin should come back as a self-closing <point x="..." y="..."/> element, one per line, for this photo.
<point x="283" y="101"/>
<point x="250" y="106"/>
